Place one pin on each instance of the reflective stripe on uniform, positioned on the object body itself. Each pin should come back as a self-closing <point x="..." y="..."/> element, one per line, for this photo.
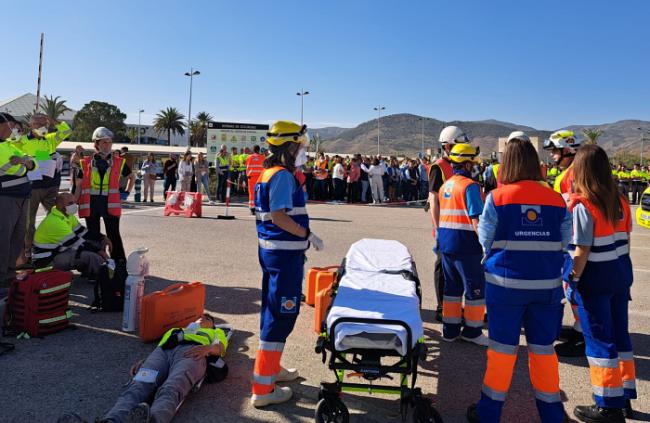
<point x="453" y="212"/>
<point x="502" y="348"/>
<point x="527" y="245"/>
<point x="493" y="393"/>
<point x="610" y="363"/>
<point x="547" y="396"/>
<point x="14" y="182"/>
<point x="607" y="392"/>
<point x="600" y="241"/>
<point x="458" y="226"/>
<point x="41" y="255"/>
<point x="266" y="216"/>
<point x="602" y="256"/>
<point x="264" y="380"/>
<point x="268" y="244"/>
<point x="626" y="355"/>
<point x="523" y="283"/>
<point x="541" y="349"/>
<point x="271" y="346"/>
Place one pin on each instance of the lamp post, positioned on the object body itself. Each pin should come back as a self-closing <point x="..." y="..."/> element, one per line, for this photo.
<point x="302" y="95"/>
<point x="378" y="109"/>
<point x="191" y="74"/>
<point x="643" y="132"/>
<point x="139" y="127"/>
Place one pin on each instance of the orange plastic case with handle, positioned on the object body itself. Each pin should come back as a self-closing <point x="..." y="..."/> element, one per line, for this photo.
<point x="175" y="306"/>
<point x="312" y="275"/>
<point x="323" y="301"/>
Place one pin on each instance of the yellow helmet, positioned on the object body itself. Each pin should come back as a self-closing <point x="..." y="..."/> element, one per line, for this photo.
<point x="285" y="131"/>
<point x="461" y="153"/>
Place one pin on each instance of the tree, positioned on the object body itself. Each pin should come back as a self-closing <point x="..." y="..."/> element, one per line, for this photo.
<point x="592" y="135"/>
<point x="199" y="129"/>
<point x="54" y="108"/>
<point x="132" y="135"/>
<point x="169" y="120"/>
<point x="99" y="113"/>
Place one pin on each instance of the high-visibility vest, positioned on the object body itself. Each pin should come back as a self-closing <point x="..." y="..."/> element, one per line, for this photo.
<point x="13" y="178"/>
<point x="602" y="272"/>
<point x="55" y="234"/>
<point x="271" y="236"/>
<point x="321" y="170"/>
<point x="234" y="162"/>
<point x="456" y="233"/>
<point x="242" y="162"/>
<point x="46" y="146"/>
<point x="254" y="165"/>
<point x="445" y="167"/>
<point x="564" y="183"/>
<point x="224" y="162"/>
<point x="201" y="336"/>
<point x="527" y="250"/>
<point x="93" y="184"/>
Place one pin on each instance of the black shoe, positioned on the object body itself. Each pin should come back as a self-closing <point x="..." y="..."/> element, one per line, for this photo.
<point x="568" y="333"/>
<point x="140" y="414"/>
<point x="628" y="412"/>
<point x="595" y="414"/>
<point x="472" y="414"/>
<point x="572" y="348"/>
<point x="439" y="315"/>
<point x="252" y="211"/>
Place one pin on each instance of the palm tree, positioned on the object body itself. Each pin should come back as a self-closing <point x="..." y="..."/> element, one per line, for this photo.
<point x="592" y="135"/>
<point x="53" y="108"/>
<point x="199" y="129"/>
<point x="169" y="120"/>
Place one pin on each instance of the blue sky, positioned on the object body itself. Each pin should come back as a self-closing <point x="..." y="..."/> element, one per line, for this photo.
<point x="542" y="63"/>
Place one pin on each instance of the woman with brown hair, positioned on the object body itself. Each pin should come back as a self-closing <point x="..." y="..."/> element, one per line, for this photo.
<point x="600" y="284"/>
<point x="149" y="171"/>
<point x="523" y="230"/>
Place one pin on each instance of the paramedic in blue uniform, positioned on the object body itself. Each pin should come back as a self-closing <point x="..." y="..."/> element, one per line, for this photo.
<point x="524" y="228"/>
<point x="461" y="205"/>
<point x="600" y="283"/>
<point x="284" y="236"/>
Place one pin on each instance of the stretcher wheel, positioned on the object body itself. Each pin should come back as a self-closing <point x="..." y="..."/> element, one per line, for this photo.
<point x="331" y="411"/>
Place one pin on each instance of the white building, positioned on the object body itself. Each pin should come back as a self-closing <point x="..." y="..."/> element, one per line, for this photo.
<point x="21" y="106"/>
<point x="148" y="135"/>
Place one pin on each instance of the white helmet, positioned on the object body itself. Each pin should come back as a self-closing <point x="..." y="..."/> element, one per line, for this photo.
<point x="562" y="139"/>
<point x="518" y="135"/>
<point x="102" y="133"/>
<point x="453" y="135"/>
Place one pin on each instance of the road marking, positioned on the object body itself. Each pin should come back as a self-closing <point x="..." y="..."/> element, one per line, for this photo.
<point x="39" y="219"/>
<point x="640" y="269"/>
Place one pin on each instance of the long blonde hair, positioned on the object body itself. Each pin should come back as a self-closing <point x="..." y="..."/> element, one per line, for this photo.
<point x="593" y="180"/>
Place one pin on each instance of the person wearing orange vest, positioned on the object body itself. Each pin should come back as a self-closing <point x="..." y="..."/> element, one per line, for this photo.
<point x="524" y="229"/>
<point x="563" y="146"/>
<point x="461" y="204"/>
<point x="254" y="167"/>
<point x="321" y="170"/>
<point x="600" y="282"/>
<point x="439" y="172"/>
<point x="98" y="191"/>
<point x="283" y="237"/>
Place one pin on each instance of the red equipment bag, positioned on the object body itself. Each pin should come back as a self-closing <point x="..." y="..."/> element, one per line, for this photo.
<point x="38" y="303"/>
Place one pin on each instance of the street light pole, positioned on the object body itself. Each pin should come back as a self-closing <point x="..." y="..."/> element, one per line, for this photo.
<point x="378" y="109"/>
<point x="191" y="74"/>
<point x="139" y="127"/>
<point x="302" y="95"/>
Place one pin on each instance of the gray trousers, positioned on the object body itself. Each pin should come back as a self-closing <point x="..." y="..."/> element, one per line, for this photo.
<point x="88" y="262"/>
<point x="12" y="235"/>
<point x="176" y="377"/>
<point x="46" y="197"/>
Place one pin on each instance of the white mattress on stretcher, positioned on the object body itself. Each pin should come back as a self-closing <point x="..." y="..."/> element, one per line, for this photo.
<point x="366" y="291"/>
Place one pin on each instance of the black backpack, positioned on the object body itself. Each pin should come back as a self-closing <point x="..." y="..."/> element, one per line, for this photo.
<point x="109" y="288"/>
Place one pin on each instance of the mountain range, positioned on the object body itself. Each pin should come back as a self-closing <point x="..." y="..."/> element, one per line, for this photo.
<point x="404" y="134"/>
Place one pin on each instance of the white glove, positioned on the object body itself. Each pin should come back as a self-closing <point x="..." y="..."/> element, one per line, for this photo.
<point x="315" y="241"/>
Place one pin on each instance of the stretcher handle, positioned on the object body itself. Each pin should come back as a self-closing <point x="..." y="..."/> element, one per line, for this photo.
<point x="320" y="269"/>
<point x="409" y="336"/>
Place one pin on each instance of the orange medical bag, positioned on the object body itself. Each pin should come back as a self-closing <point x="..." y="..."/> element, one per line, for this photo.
<point x="323" y="301"/>
<point x="174" y="307"/>
<point x="317" y="279"/>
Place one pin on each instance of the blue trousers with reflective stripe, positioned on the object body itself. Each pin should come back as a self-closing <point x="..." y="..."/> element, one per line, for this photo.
<point x="540" y="314"/>
<point x="605" y="327"/>
<point x="282" y="273"/>
<point x="463" y="274"/>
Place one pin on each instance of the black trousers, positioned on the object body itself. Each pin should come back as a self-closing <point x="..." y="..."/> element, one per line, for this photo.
<point x="169" y="183"/>
<point x="112" y="225"/>
<point x="439" y="281"/>
<point x="339" y="189"/>
<point x="353" y="192"/>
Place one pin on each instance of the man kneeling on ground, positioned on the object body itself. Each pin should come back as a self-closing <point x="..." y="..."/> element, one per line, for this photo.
<point x="62" y="242"/>
<point x="183" y="358"/>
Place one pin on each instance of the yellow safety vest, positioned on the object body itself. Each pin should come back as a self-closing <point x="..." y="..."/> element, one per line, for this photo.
<point x="56" y="233"/>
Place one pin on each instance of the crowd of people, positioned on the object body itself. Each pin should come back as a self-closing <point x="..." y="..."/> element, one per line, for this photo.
<point x="514" y="239"/>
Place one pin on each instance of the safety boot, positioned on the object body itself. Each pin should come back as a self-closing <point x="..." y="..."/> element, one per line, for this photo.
<point x="628" y="412"/>
<point x="472" y="414"/>
<point x="596" y="414"/>
<point x="279" y="395"/>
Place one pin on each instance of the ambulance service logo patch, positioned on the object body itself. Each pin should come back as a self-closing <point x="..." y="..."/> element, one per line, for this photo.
<point x="449" y="187"/>
<point x="288" y="305"/>
<point x="531" y="215"/>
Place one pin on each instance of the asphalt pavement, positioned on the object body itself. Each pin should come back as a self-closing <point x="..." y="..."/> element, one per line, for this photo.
<point x="84" y="369"/>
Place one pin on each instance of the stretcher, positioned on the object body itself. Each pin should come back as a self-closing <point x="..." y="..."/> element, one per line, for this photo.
<point x="373" y="329"/>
